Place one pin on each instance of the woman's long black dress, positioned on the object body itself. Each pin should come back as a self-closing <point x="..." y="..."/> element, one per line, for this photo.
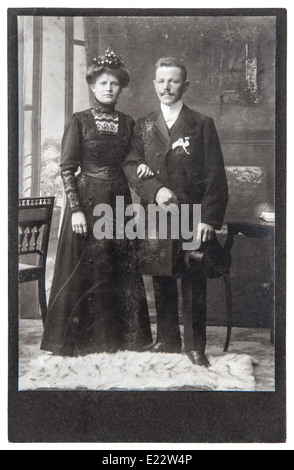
<point x="97" y="301"/>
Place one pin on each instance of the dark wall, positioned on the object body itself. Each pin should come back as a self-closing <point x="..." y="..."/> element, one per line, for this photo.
<point x="231" y="68"/>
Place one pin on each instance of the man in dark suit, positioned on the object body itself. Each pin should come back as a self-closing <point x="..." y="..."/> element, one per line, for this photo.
<point x="182" y="149"/>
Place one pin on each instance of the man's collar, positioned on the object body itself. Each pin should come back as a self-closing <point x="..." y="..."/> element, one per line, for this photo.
<point x="174" y="109"/>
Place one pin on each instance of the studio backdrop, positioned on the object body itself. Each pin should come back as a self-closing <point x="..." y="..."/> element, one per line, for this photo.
<point x="231" y="69"/>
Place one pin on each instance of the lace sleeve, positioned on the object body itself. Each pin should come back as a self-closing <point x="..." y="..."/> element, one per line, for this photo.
<point x="71" y="190"/>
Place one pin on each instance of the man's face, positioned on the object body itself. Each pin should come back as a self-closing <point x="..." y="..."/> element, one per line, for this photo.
<point x="169" y="85"/>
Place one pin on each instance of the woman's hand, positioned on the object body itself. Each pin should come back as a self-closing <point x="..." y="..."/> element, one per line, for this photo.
<point x="144" y="171"/>
<point x="79" y="223"/>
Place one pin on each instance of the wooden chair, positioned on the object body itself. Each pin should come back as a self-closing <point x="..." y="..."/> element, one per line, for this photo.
<point x="34" y="223"/>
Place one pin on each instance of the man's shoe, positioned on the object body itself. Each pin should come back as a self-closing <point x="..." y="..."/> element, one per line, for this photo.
<point x="157" y="348"/>
<point x="198" y="358"/>
<point x="161" y="348"/>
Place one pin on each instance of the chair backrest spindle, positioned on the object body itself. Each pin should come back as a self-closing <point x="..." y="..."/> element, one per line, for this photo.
<point x="35" y="214"/>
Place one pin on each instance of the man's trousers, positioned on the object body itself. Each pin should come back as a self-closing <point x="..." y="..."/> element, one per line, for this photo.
<point x="193" y="313"/>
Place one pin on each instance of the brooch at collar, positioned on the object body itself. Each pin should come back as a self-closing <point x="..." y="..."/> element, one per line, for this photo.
<point x="184" y="143"/>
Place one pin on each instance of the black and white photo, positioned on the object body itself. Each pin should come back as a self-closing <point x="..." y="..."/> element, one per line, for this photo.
<point x="148" y="208"/>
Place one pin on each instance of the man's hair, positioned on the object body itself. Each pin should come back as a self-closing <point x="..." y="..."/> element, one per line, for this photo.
<point x="172" y="62"/>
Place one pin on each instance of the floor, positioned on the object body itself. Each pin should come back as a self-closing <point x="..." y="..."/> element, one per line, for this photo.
<point x="252" y="341"/>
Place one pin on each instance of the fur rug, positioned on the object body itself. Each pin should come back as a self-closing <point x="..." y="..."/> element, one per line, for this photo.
<point x="138" y="371"/>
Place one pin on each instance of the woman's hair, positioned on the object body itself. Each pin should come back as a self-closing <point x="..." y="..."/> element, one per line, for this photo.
<point x="120" y="72"/>
<point x="172" y="62"/>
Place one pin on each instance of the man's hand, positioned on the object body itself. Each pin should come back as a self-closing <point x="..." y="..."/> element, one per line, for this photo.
<point x="144" y="171"/>
<point x="166" y="199"/>
<point x="205" y="232"/>
<point x="79" y="223"/>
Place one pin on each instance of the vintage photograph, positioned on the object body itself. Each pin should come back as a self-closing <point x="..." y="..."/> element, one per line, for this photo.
<point x="146" y="213"/>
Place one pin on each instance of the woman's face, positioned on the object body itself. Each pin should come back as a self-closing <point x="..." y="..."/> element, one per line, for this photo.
<point x="106" y="88"/>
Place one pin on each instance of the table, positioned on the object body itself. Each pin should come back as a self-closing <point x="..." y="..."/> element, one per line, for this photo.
<point x="253" y="228"/>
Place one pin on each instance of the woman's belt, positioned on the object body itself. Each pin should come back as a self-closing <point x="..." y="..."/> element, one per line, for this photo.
<point x="103" y="172"/>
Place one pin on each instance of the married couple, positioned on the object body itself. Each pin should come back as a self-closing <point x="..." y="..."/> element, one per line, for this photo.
<point x="170" y="157"/>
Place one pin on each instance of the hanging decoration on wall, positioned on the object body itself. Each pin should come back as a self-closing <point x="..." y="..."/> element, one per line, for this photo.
<point x="231" y="69"/>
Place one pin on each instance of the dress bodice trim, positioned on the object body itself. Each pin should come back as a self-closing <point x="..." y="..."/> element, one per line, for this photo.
<point x="103" y="108"/>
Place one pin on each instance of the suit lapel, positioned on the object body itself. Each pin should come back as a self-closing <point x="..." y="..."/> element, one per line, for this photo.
<point x="161" y="128"/>
<point x="180" y="127"/>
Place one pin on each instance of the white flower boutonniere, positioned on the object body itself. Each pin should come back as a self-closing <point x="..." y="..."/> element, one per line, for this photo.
<point x="184" y="143"/>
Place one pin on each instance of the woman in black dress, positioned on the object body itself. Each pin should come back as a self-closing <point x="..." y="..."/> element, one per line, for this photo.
<point x="97" y="301"/>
